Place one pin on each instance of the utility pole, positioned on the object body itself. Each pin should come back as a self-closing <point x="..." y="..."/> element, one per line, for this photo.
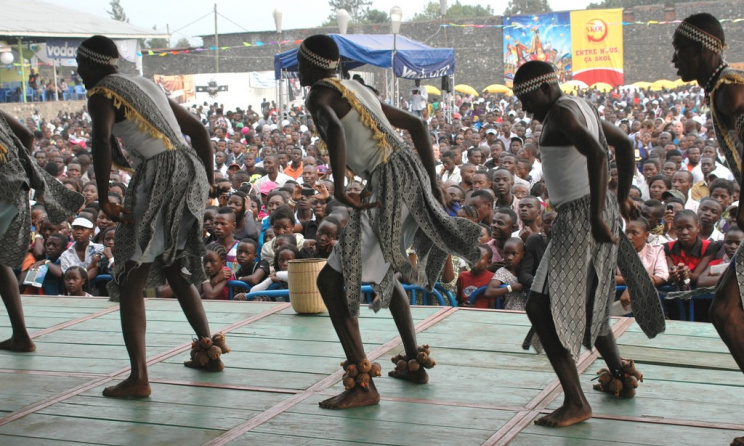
<point x="216" y="43"/>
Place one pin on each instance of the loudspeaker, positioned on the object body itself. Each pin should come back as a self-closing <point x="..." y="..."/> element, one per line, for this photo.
<point x="447" y="83"/>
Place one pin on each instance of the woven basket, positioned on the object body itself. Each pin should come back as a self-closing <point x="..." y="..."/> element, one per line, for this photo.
<point x="303" y="290"/>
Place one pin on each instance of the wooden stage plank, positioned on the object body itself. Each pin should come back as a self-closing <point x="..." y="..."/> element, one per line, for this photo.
<point x="282" y="364"/>
<point x="608" y="432"/>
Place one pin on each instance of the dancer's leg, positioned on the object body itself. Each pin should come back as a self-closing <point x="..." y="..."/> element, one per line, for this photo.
<point x="401" y="311"/>
<point x="188" y="297"/>
<point x="727" y="316"/>
<point x="331" y="286"/>
<point x="20" y="341"/>
<point x="575" y="408"/>
<point x="133" y="327"/>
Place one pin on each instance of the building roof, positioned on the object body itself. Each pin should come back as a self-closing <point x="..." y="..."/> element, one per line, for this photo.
<point x="28" y="18"/>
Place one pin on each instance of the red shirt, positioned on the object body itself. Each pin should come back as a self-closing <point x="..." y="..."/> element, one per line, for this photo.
<point x="467" y="282"/>
<point x="690" y="258"/>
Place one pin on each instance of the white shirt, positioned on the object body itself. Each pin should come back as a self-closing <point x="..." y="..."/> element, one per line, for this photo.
<point x="418" y="101"/>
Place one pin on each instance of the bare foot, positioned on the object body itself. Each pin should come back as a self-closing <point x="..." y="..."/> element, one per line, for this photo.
<point x="566" y="416"/>
<point x="738" y="441"/>
<point x="128" y="388"/>
<point x="18" y="345"/>
<point x="354" y="397"/>
<point x="418" y="377"/>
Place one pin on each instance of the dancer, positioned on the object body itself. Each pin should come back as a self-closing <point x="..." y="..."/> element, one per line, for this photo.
<point x="159" y="234"/>
<point x="400" y="207"/>
<point x="575" y="282"/>
<point x="18" y="174"/>
<point x="698" y="55"/>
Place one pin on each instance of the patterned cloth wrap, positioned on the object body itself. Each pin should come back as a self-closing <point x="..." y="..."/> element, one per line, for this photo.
<point x="731" y="141"/>
<point x="179" y="187"/>
<point x="570" y="255"/>
<point x="19" y="173"/>
<point x="402" y="179"/>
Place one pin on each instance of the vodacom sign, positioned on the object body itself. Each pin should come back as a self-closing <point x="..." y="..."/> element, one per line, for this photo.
<point x="596" y="30"/>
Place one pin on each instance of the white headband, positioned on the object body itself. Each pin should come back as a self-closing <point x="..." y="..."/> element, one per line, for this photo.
<point x="319" y="61"/>
<point x="696" y="34"/>
<point x="533" y="84"/>
<point x="98" y="58"/>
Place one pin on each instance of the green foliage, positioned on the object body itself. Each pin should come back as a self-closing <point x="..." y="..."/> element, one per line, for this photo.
<point x="525" y="7"/>
<point x="183" y="43"/>
<point x="158" y="42"/>
<point x="376" y="16"/>
<point x="357" y="10"/>
<point x="457" y="10"/>
<point x="117" y="11"/>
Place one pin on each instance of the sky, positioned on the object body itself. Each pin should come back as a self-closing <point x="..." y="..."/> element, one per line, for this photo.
<point x="191" y="18"/>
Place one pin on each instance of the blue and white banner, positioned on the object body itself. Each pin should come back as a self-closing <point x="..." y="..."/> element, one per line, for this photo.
<point x="417" y="67"/>
<point x="62" y="49"/>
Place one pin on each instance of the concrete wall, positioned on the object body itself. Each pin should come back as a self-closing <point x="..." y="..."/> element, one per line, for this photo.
<point x="478" y="51"/>
<point x="46" y="109"/>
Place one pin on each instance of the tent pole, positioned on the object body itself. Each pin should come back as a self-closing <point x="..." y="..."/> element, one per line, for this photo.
<point x="56" y="88"/>
<point x="23" y="71"/>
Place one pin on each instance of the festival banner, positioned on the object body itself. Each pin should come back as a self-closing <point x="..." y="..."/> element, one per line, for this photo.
<point x="545" y="37"/>
<point x="597" y="44"/>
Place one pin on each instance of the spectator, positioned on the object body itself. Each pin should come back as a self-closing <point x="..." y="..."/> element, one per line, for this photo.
<point x="478" y="276"/>
<point x="689" y="255"/>
<point x="83" y="252"/>
<point x="514" y="296"/>
<point x="76" y="282"/>
<point x="218" y="274"/>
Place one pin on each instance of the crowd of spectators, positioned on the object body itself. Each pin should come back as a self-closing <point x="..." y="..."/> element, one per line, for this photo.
<point x="274" y="204"/>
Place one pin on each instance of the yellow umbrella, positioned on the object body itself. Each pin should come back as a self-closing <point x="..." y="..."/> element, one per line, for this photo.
<point x="603" y="87"/>
<point x="430" y="89"/>
<point x="498" y="88"/>
<point x="680" y="83"/>
<point x="573" y="85"/>
<point x="642" y="84"/>
<point x="467" y="89"/>
<point x="662" y="84"/>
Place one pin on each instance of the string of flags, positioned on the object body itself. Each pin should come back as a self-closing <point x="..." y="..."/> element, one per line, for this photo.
<point x="259" y="44"/>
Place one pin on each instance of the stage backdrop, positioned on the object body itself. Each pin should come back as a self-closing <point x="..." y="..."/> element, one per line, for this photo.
<point x="581" y="45"/>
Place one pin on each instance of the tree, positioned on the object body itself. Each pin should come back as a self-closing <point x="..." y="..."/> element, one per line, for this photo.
<point x="376" y="16"/>
<point x="183" y="43"/>
<point x="524" y="7"/>
<point x="357" y="10"/>
<point x="117" y="11"/>
<point x="432" y="11"/>
<point x="157" y="42"/>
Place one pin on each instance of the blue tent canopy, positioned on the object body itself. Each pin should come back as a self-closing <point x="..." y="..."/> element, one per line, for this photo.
<point x="413" y="60"/>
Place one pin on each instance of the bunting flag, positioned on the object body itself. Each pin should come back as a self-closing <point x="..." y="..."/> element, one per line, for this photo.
<point x="222" y="48"/>
<point x="516" y="25"/>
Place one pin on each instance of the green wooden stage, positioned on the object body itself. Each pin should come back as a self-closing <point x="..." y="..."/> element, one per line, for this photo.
<point x="484" y="390"/>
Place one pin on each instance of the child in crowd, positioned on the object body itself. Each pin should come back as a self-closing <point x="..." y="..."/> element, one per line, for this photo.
<point x="689" y="255"/>
<point x="76" y="282"/>
<point x="106" y="264"/>
<point x="514" y="295"/>
<point x="325" y="239"/>
<point x="503" y="226"/>
<point x="709" y="213"/>
<point x="485" y="237"/>
<point x="715" y="269"/>
<point x="251" y="271"/>
<point x="280" y="277"/>
<point x="469" y="212"/>
<point x="209" y="215"/>
<point x="219" y="274"/>
<point x="283" y="221"/>
<point x="478" y="276"/>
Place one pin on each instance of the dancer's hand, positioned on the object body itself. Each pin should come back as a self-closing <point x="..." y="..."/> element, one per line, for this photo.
<point x="628" y="209"/>
<point x="356" y="201"/>
<point x="116" y="212"/>
<point x="601" y="232"/>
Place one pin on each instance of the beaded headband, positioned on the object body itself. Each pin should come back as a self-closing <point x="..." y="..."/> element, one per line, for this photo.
<point x="95" y="57"/>
<point x="318" y="61"/>
<point x="696" y="34"/>
<point x="527" y="86"/>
